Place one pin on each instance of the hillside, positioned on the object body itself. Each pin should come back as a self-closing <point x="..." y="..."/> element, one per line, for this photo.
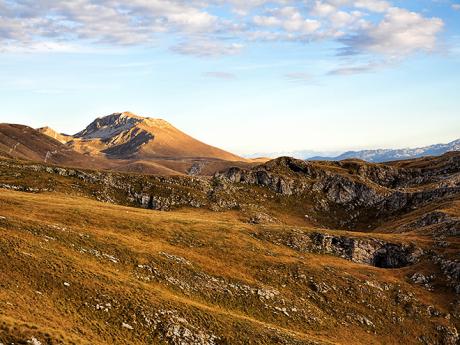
<point x="62" y="138"/>
<point x="288" y="252"/>
<point x="386" y="155"/>
<point x="349" y="195"/>
<point x="18" y="141"/>
<point x="125" y="136"/>
<point x="120" y="142"/>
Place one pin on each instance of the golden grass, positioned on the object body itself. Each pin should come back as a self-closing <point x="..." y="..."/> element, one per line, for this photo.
<point x="50" y="238"/>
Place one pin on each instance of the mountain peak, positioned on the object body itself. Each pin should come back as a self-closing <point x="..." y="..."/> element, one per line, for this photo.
<point x="127" y="135"/>
<point x="110" y="125"/>
<point x="107" y="126"/>
<point x="149" y="121"/>
<point x="130" y="114"/>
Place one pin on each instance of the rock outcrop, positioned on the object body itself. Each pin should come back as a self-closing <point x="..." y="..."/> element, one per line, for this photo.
<point x="357" y="196"/>
<point x="369" y="251"/>
<point x="359" y="191"/>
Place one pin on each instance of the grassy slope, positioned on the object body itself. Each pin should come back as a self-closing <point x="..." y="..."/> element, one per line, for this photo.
<point x="26" y="143"/>
<point x="202" y="271"/>
<point x="22" y="142"/>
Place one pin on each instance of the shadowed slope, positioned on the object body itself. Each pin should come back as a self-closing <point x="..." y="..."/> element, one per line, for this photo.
<point x="18" y="141"/>
<point x="125" y="135"/>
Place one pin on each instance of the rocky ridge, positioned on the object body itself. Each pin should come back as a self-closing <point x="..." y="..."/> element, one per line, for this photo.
<point x="355" y="193"/>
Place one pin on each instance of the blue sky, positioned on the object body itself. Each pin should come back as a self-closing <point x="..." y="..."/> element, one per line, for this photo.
<point x="247" y="76"/>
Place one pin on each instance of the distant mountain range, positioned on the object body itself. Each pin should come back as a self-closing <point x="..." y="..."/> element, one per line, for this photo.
<point x="386" y="155"/>
<point x="131" y="143"/>
<point x="298" y="154"/>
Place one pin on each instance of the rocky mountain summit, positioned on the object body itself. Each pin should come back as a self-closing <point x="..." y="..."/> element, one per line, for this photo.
<point x="120" y="142"/>
<point x="126" y="135"/>
<point x="116" y="135"/>
<point x="109" y="126"/>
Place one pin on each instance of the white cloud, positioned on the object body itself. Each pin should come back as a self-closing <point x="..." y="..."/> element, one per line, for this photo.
<point x="206" y="48"/>
<point x="214" y="27"/>
<point x="335" y="20"/>
<point x="42" y="47"/>
<point x="340" y="19"/>
<point x="113" y="21"/>
<point x="401" y="32"/>
<point x="456" y="7"/>
<point x="294" y="21"/>
<point x="373" y="5"/>
<point x="351" y="69"/>
<point x="288" y="19"/>
<point x="323" y="9"/>
<point x="267" y="21"/>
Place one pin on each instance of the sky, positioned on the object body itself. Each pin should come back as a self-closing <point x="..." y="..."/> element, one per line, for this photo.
<point x="244" y="75"/>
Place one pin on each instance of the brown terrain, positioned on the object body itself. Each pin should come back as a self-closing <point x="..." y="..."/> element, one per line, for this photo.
<point x="22" y="142"/>
<point x="280" y="252"/>
<point x="121" y="142"/>
<point x="125" y="135"/>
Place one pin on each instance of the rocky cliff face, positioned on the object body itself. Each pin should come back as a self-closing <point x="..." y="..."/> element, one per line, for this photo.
<point x="436" y="223"/>
<point x="116" y="135"/>
<point x="359" y="190"/>
<point x="369" y="251"/>
<point x="106" y="127"/>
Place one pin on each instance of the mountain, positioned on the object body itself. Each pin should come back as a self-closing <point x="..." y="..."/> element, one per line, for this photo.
<point x="299" y="154"/>
<point x="288" y="252"/>
<point x="387" y="155"/>
<point x="126" y="135"/>
<point x="121" y="142"/>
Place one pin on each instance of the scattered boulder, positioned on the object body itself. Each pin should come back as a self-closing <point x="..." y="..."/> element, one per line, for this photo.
<point x="423" y="280"/>
<point x="261" y="218"/>
<point x="449" y="335"/>
<point x="34" y="341"/>
<point x="127" y="326"/>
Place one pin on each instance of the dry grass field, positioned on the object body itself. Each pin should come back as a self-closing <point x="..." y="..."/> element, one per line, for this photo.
<point x="287" y="252"/>
<point x="74" y="270"/>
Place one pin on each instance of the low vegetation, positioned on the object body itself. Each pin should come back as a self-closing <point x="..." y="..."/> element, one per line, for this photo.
<point x="285" y="253"/>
